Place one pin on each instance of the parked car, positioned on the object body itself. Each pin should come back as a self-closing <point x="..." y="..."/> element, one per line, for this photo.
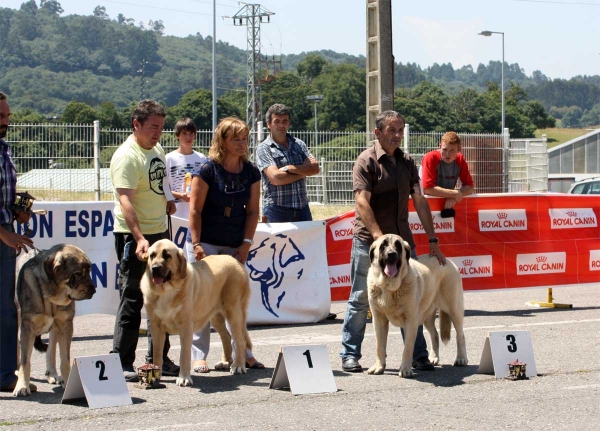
<point x="589" y="186"/>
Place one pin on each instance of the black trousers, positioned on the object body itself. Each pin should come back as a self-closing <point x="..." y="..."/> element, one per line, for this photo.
<point x="129" y="315"/>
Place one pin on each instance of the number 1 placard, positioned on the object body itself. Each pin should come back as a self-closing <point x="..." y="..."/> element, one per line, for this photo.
<point x="99" y="379"/>
<point x="304" y="369"/>
<point x="502" y="347"/>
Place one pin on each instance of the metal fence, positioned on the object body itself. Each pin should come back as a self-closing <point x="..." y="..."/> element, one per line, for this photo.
<point x="71" y="161"/>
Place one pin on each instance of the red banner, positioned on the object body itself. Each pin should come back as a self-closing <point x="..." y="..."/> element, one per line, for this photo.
<point x="498" y="241"/>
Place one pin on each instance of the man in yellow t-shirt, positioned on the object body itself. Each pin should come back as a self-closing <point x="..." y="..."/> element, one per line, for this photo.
<point x="142" y="201"/>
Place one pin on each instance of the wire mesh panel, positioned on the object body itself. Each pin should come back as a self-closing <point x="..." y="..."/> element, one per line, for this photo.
<point x="56" y="161"/>
<point x="53" y="159"/>
<point x="527" y="166"/>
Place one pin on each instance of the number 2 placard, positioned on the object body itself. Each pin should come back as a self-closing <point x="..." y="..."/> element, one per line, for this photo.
<point x="99" y="379"/>
<point x="502" y="347"/>
<point x="304" y="369"/>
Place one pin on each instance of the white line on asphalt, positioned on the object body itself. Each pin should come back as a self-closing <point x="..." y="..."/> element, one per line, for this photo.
<point x="323" y="339"/>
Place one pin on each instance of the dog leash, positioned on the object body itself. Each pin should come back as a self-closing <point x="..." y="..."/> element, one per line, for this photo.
<point x="170" y="227"/>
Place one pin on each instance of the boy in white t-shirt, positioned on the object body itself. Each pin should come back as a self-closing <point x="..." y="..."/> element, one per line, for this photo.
<point x="182" y="162"/>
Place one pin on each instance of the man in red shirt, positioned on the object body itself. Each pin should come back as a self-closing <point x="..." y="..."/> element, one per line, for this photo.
<point x="441" y="170"/>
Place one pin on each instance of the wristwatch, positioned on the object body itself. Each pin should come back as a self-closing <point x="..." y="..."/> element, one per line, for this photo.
<point x="249" y="241"/>
<point x="285" y="168"/>
<point x="433" y="240"/>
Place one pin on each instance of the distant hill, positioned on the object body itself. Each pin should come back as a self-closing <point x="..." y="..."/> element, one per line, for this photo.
<point x="48" y="60"/>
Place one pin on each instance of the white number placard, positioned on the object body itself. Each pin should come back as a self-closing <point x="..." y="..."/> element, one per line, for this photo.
<point x="100" y="380"/>
<point x="502" y="347"/>
<point x="304" y="369"/>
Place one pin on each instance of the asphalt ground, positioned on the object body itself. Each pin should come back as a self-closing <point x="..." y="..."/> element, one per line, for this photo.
<point x="565" y="395"/>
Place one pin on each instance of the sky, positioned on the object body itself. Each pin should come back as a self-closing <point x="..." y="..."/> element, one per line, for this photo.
<point x="558" y="37"/>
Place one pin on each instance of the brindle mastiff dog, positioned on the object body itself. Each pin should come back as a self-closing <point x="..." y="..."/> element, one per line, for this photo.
<point x="47" y="285"/>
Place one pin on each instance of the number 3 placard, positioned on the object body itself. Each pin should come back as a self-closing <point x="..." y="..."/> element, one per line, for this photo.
<point x="304" y="369"/>
<point x="99" y="379"/>
<point x="502" y="347"/>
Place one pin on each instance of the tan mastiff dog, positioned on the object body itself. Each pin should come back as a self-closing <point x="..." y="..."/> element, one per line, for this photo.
<point x="181" y="298"/>
<point x="407" y="293"/>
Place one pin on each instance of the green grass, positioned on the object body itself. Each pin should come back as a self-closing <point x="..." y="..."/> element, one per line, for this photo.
<point x="557" y="136"/>
<point x="322" y="212"/>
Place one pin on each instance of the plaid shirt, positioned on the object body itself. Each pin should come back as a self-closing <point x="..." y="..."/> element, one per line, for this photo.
<point x="270" y="153"/>
<point x="8" y="183"/>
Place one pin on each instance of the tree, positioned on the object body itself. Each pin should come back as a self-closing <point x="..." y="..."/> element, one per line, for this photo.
<point x="572" y="116"/>
<point x="344" y="92"/>
<point x="536" y="113"/>
<point x="79" y="113"/>
<point x="100" y="12"/>
<point x="312" y="66"/>
<point x="109" y="116"/>
<point x="157" y="26"/>
<point x="53" y="7"/>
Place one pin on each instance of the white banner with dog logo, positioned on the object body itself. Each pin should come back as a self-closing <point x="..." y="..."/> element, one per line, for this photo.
<point x="287" y="263"/>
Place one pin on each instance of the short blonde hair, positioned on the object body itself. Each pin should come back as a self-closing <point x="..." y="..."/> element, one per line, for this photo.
<point x="230" y="127"/>
<point x="451" y="138"/>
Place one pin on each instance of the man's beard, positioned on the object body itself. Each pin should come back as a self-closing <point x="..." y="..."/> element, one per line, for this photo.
<point x="3" y="130"/>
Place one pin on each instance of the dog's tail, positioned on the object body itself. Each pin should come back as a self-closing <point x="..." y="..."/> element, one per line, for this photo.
<point x="39" y="345"/>
<point x="445" y="327"/>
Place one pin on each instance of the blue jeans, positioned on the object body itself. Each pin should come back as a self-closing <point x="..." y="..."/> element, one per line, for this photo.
<point x="277" y="214"/>
<point x="355" y="320"/>
<point x="8" y="313"/>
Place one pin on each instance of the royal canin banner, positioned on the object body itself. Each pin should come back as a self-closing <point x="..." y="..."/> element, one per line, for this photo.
<point x="498" y="241"/>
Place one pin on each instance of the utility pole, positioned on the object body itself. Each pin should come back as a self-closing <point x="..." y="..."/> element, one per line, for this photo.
<point x="252" y="16"/>
<point x="380" y="60"/>
<point x="142" y="71"/>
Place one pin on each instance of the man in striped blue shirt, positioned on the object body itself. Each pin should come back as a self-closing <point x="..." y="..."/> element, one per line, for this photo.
<point x="284" y="163"/>
<point x="10" y="244"/>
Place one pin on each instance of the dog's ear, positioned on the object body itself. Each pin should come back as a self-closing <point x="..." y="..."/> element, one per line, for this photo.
<point x="50" y="263"/>
<point x="407" y="248"/>
<point x="182" y="264"/>
<point x="372" y="252"/>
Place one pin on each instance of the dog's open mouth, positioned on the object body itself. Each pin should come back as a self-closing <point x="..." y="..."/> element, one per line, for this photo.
<point x="159" y="278"/>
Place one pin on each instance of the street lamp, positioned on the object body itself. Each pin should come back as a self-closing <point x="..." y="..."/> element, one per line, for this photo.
<point x="316" y="98"/>
<point x="489" y="33"/>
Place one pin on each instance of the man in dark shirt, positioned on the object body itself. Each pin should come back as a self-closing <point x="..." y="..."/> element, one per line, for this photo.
<point x="11" y="243"/>
<point x="383" y="180"/>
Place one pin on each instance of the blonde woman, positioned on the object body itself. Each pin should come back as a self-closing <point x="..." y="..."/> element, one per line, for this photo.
<point x="224" y="210"/>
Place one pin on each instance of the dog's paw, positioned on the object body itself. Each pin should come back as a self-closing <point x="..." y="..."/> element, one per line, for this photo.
<point x="184" y="381"/>
<point x="238" y="370"/>
<point x="21" y="390"/>
<point x="222" y="365"/>
<point x="376" y="369"/>
<point x="461" y="362"/>
<point x="53" y="378"/>
<point x="434" y="359"/>
<point x="406" y="373"/>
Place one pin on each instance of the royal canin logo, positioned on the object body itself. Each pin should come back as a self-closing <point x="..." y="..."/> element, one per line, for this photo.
<point x="467" y="262"/>
<point x="541" y="258"/>
<point x="572" y="213"/>
<point x="502" y="216"/>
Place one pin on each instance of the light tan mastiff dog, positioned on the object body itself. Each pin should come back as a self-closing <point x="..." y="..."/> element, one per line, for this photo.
<point x="181" y="298"/>
<point x="407" y="293"/>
